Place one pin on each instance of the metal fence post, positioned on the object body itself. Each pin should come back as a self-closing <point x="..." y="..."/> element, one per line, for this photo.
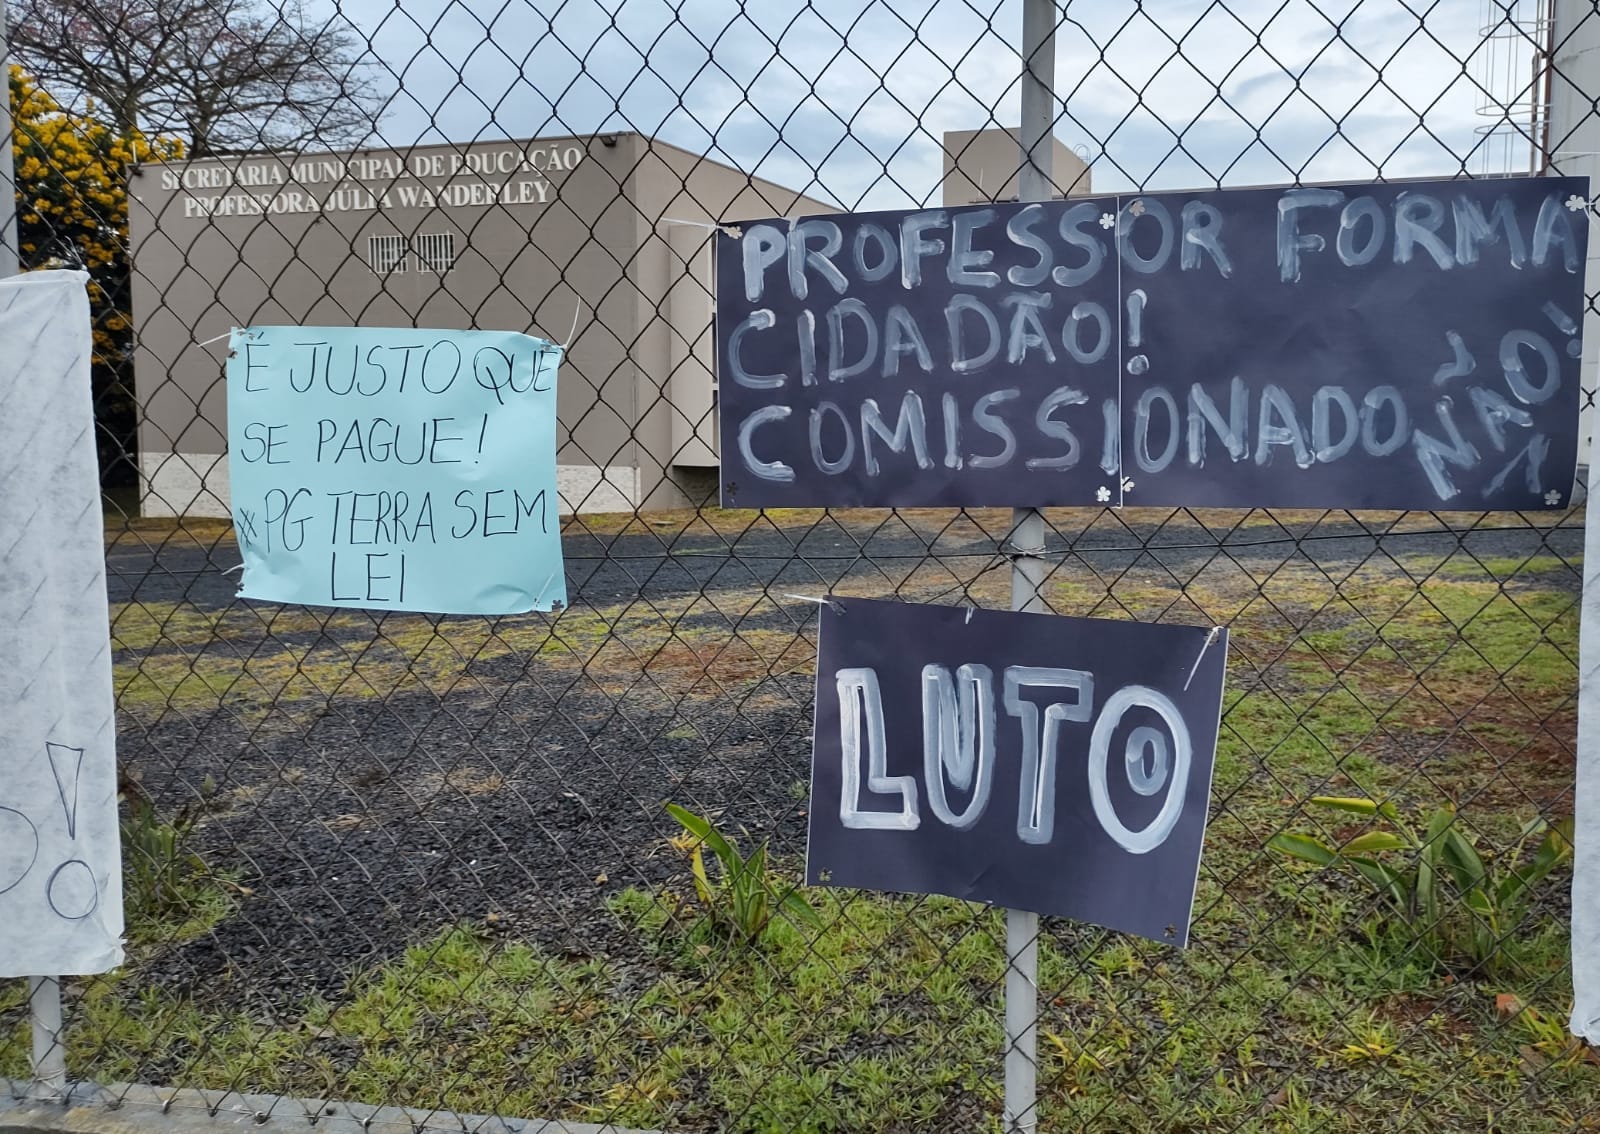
<point x="1028" y="572"/>
<point x="49" y="1053"/>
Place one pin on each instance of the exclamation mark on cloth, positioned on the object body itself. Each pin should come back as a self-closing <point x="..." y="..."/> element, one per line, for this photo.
<point x="1137" y="300"/>
<point x="1566" y="326"/>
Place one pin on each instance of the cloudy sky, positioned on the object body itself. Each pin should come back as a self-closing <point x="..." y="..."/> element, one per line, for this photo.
<point x="848" y="99"/>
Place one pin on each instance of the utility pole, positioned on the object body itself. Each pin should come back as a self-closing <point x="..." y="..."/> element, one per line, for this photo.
<point x="1028" y="572"/>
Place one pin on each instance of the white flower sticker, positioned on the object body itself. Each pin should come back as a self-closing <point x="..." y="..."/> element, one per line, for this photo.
<point x="1127" y="484"/>
<point x="1137" y="208"/>
<point x="1552" y="498"/>
<point x="1108" y="220"/>
<point x="1576" y="202"/>
<point x="1102" y="494"/>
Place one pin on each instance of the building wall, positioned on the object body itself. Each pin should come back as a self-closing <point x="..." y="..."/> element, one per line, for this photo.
<point x="608" y="239"/>
<point x="681" y="196"/>
<point x="982" y="165"/>
<point x="548" y="236"/>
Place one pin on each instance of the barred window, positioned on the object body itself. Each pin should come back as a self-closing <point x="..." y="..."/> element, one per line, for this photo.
<point x="436" y="251"/>
<point x="386" y="253"/>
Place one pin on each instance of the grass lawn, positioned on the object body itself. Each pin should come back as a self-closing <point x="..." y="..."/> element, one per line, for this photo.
<point x="1302" y="1004"/>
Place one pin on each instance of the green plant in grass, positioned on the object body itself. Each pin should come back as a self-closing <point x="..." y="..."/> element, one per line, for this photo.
<point x="1453" y="900"/>
<point x="745" y="895"/>
<point x="1499" y="901"/>
<point x="1549" y="1039"/>
<point x="159" y="866"/>
<point x="169" y="892"/>
<point x="1082" y="1065"/>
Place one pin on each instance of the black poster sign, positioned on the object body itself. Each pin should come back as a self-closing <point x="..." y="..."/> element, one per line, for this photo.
<point x="1410" y="345"/>
<point x="1061" y="765"/>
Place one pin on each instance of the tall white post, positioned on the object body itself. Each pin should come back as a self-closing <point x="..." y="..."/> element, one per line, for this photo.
<point x="1028" y="571"/>
<point x="49" y="1050"/>
<point x="1573" y="148"/>
<point x="44" y="993"/>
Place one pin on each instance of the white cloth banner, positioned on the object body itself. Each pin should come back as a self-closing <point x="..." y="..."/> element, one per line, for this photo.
<point x="60" y="855"/>
<point x="1586" y="806"/>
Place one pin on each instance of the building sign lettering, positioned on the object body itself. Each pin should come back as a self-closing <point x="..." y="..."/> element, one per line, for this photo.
<point x="364" y="183"/>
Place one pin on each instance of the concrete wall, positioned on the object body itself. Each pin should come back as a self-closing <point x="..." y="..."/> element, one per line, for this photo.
<point x="680" y="197"/>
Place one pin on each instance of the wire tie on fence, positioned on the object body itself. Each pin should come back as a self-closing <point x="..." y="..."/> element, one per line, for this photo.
<point x="544" y="587"/>
<point x="231" y="570"/>
<point x="838" y="607"/>
<point x="971" y="610"/>
<point x="730" y="229"/>
<point x="1204" y="646"/>
<point x="216" y="338"/>
<point x="576" y="311"/>
<point x="1008" y="547"/>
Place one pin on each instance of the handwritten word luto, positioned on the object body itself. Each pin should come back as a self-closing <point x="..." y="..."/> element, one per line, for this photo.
<point x="959" y="724"/>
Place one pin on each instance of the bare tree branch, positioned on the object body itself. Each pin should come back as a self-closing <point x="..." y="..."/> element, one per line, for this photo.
<point x="229" y="76"/>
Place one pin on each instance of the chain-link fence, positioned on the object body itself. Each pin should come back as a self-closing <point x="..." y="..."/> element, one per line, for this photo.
<point x="424" y="862"/>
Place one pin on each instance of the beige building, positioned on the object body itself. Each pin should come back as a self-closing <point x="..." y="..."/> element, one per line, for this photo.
<point x="611" y="231"/>
<point x="982" y="165"/>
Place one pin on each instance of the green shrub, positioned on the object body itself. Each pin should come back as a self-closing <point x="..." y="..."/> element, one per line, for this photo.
<point x="1451" y="899"/>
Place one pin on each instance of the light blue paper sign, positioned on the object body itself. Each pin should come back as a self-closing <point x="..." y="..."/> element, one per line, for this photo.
<point x="396" y="469"/>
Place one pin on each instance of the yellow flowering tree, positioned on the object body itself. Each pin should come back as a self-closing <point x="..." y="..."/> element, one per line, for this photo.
<point x="72" y="212"/>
